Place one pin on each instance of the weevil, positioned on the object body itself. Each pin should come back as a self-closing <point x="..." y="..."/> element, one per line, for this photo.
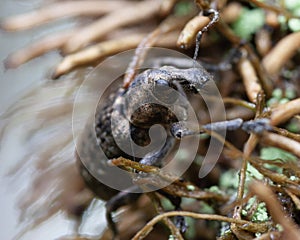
<point x="135" y="125"/>
<point x="161" y="81"/>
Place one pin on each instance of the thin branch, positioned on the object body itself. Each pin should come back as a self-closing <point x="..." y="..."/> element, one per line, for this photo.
<point x="250" y="79"/>
<point x="188" y="35"/>
<point x="281" y="53"/>
<point x="282" y="142"/>
<point x="114" y="20"/>
<point x="59" y="10"/>
<point x="273" y="8"/>
<point x="284" y="112"/>
<point x="239" y="102"/>
<point x="166" y="26"/>
<point x="36" y="49"/>
<point x="264" y="193"/>
<point x="173" y="229"/>
<point x="246" y="225"/>
<point x="103" y="49"/>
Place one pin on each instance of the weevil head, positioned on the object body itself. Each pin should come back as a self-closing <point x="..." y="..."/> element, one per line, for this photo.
<point x="194" y="80"/>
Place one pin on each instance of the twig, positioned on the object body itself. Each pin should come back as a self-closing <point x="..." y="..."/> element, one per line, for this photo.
<point x="166" y="26"/>
<point x="272" y="8"/>
<point x="250" y="79"/>
<point x="174" y="186"/>
<point x="246" y="225"/>
<point x="231" y="12"/>
<point x="239" y="102"/>
<point x="281" y="53"/>
<point x="36" y="49"/>
<point x="98" y="51"/>
<point x="265" y="80"/>
<point x="286" y="133"/>
<point x="188" y="34"/>
<point x="282" y="142"/>
<point x="284" y="112"/>
<point x="263" y="41"/>
<point x="273" y="176"/>
<point x="294" y="198"/>
<point x="116" y="19"/>
<point x="174" y="230"/>
<point x="264" y="193"/>
<point x="59" y="10"/>
<point x="167" y="6"/>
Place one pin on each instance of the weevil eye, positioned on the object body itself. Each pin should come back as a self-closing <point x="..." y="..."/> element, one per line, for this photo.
<point x="194" y="89"/>
<point x="164" y="91"/>
<point x="162" y="82"/>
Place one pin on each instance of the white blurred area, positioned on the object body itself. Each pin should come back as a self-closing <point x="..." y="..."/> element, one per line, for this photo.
<point x="37" y="166"/>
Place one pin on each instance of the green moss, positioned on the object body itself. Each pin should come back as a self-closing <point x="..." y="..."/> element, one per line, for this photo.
<point x="293" y="126"/>
<point x="253" y="173"/>
<point x="292" y="4"/>
<point x="290" y="93"/>
<point x="273" y="153"/>
<point x="191" y="233"/>
<point x="229" y="180"/>
<point x="183" y="8"/>
<point x="260" y="214"/>
<point x="294" y="23"/>
<point x="190" y="187"/>
<point x="249" y="22"/>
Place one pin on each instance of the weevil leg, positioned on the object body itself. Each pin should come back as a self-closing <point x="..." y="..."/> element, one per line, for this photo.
<point x="121" y="199"/>
<point x="128" y="197"/>
<point x="155" y="158"/>
<point x="214" y="17"/>
<point x="257" y="126"/>
<point x="179" y="221"/>
<point x="226" y="63"/>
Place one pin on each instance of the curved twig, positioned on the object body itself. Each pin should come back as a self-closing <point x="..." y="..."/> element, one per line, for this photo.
<point x="246" y="225"/>
<point x="284" y="112"/>
<point x="59" y="10"/>
<point x="264" y="193"/>
<point x="281" y="53"/>
<point x="116" y="19"/>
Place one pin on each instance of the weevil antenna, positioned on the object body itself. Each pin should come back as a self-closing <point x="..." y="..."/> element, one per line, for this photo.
<point x="214" y="17"/>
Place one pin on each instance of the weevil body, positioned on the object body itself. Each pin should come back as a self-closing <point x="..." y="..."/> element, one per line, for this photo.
<point x="134" y="125"/>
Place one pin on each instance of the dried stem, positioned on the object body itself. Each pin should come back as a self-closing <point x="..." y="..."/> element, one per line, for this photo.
<point x="116" y="19"/>
<point x="59" y="10"/>
<point x="188" y="35"/>
<point x="173" y="229"/>
<point x="231" y="12"/>
<point x="286" y="133"/>
<point x="284" y="112"/>
<point x="282" y="142"/>
<point x="166" y="26"/>
<point x="98" y="51"/>
<point x="281" y="53"/>
<point x="272" y="8"/>
<point x="246" y="225"/>
<point x="160" y="178"/>
<point x="36" y="49"/>
<point x="250" y="79"/>
<point x="265" y="194"/>
<point x="239" y="102"/>
<point x="167" y="6"/>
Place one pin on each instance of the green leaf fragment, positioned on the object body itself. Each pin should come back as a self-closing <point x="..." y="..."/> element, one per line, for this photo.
<point x="273" y="153"/>
<point x="249" y="22"/>
<point x="294" y="24"/>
